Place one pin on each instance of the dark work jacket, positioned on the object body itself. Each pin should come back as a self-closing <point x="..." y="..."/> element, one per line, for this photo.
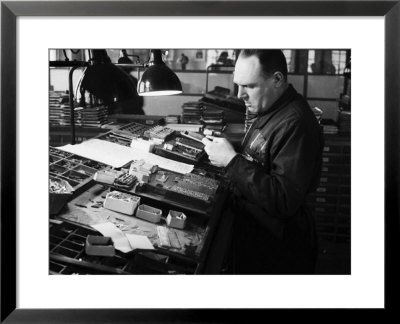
<point x="279" y="165"/>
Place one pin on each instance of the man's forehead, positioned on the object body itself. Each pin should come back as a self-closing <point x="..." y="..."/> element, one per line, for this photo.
<point x="247" y="70"/>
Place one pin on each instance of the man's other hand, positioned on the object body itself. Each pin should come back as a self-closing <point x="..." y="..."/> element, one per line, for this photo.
<point x="220" y="151"/>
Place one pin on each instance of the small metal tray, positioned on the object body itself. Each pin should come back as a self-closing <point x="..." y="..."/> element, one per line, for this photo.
<point x="149" y="213"/>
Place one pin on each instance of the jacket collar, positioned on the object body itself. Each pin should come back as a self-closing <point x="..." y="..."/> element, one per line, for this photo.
<point x="282" y="101"/>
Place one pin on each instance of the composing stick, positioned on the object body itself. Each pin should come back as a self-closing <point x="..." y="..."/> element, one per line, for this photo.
<point x="191" y="136"/>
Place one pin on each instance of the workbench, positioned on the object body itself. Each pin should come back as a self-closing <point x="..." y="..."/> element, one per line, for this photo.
<point x="193" y="250"/>
<point x="205" y="240"/>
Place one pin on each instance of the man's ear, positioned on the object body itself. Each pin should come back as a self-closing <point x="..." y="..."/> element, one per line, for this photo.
<point x="279" y="79"/>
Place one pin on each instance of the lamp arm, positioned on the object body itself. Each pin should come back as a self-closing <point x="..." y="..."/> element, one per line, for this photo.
<point x="156" y="56"/>
<point x="71" y="104"/>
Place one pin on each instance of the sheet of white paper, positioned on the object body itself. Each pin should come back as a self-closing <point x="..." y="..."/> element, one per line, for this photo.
<point x="121" y="242"/>
<point x="139" y="242"/>
<point x="118" y="155"/>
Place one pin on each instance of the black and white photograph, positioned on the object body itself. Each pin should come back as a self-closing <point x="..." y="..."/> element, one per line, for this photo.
<point x="237" y="164"/>
<point x="197" y="161"/>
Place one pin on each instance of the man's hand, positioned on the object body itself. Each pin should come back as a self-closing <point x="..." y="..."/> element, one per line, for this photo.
<point x="220" y="151"/>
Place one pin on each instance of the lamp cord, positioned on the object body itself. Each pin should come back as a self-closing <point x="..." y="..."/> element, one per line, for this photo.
<point x="65" y="55"/>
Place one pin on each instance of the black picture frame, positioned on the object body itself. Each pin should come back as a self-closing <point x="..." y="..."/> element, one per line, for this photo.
<point x="10" y="10"/>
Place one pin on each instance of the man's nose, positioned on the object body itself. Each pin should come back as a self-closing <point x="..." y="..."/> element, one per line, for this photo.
<point x="242" y="93"/>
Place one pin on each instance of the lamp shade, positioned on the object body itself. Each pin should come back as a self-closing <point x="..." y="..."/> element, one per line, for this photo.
<point x="108" y="83"/>
<point x="158" y="79"/>
<point x="105" y="81"/>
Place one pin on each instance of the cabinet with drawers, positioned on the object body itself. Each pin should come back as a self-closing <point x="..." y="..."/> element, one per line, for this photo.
<point x="331" y="201"/>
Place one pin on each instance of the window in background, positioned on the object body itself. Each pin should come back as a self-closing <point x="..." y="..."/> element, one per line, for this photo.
<point x="311" y="60"/>
<point x="213" y="56"/>
<point x="339" y="59"/>
<point x="326" y="61"/>
<point x="290" y="59"/>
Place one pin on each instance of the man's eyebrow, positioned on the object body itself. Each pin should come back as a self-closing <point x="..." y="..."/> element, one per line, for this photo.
<point x="247" y="84"/>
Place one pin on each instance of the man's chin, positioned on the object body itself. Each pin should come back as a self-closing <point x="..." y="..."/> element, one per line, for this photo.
<point x="251" y="110"/>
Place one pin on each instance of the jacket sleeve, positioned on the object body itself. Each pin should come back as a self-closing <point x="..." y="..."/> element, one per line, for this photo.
<point x="295" y="163"/>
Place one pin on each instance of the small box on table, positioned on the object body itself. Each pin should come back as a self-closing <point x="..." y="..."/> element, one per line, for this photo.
<point x="149" y="213"/>
<point x="176" y="219"/>
<point x="121" y="202"/>
<point x="99" y="245"/>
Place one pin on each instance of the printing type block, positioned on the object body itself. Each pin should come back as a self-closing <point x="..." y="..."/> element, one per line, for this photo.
<point x="125" y="181"/>
<point x="121" y="202"/>
<point x="159" y="132"/>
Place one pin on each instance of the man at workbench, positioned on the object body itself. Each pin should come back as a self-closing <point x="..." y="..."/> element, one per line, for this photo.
<point x="278" y="164"/>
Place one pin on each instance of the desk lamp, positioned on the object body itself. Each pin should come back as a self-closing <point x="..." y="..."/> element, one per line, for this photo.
<point x="102" y="80"/>
<point x="112" y="85"/>
<point x="158" y="79"/>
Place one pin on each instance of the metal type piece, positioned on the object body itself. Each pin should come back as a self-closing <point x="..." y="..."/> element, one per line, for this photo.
<point x="159" y="132"/>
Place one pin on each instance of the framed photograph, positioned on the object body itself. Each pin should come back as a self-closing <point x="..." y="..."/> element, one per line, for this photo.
<point x="30" y="28"/>
<point x="200" y="55"/>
